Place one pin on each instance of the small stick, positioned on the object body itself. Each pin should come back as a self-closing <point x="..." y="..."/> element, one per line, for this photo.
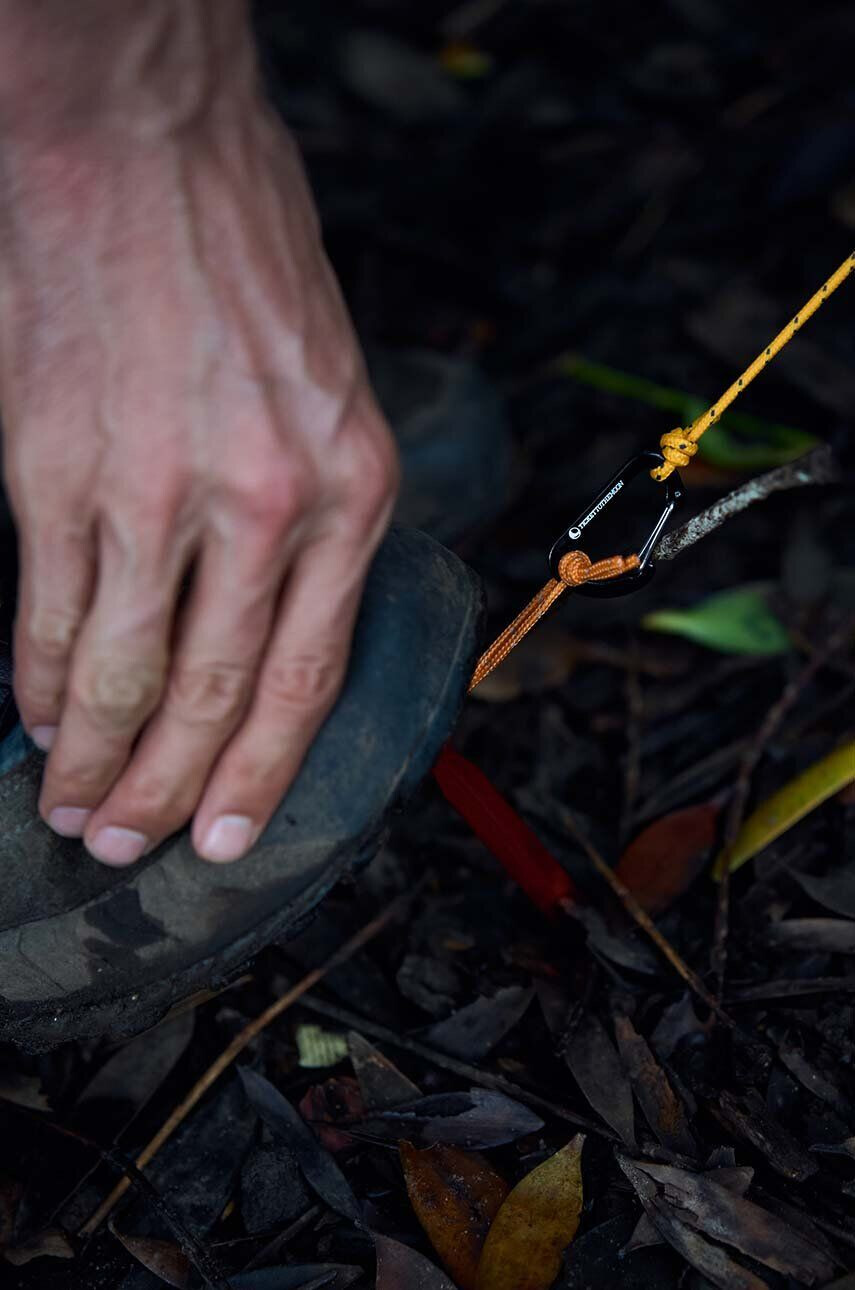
<point x="645" y="922"/>
<point x="199" y="1256"/>
<point x="240" y="1041"/>
<point x="788" y="698"/>
<point x="486" y="1079"/>
<point x="816" y="467"/>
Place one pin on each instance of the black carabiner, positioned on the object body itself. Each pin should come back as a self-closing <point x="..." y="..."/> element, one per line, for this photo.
<point x="634" y="579"/>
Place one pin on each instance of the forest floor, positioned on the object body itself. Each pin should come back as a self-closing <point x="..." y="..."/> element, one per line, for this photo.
<point x="563" y="195"/>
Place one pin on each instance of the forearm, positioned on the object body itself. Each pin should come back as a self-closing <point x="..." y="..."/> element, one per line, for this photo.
<point x="138" y="69"/>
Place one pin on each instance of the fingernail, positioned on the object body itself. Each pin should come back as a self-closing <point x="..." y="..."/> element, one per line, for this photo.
<point x="118" y="846"/>
<point x="228" y="838"/>
<point x="69" y="821"/>
<point x="43" y="737"/>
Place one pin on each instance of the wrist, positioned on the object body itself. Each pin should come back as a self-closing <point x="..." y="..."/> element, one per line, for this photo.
<point x="117" y="68"/>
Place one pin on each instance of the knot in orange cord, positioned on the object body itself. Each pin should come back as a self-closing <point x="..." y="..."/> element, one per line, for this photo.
<point x="575" y="567"/>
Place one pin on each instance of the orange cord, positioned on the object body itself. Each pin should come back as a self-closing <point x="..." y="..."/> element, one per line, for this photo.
<point x="575" y="568"/>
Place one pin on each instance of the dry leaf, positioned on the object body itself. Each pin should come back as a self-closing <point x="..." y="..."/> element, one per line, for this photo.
<point x="661" y="863"/>
<point x="786" y="807"/>
<point x="52" y="1242"/>
<point x="164" y="1258"/>
<point x="338" y="1101"/>
<point x="836" y="891"/>
<point x="720" y="1213"/>
<point x="535" y="1224"/>
<point x="381" y="1083"/>
<point x="663" y="1109"/>
<point x="829" y="935"/>
<point x="596" y="1067"/>
<point x="400" y="1268"/>
<point x="749" y="1118"/>
<point x="472" y="1031"/>
<point x="455" y="1196"/>
<point x="710" y="1260"/>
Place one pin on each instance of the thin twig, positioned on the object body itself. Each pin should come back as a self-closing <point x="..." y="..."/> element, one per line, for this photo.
<point x="201" y="1258"/>
<point x="816" y="467"/>
<point x="788" y="698"/>
<point x="249" y="1032"/>
<point x="644" y="921"/>
<point x="486" y="1079"/>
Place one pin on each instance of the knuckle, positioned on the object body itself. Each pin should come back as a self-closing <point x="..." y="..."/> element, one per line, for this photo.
<point x="166" y="799"/>
<point x="276" y="499"/>
<point x="118" y="696"/>
<point x="52" y="631"/>
<point x="373" y="478"/>
<point x="37" y="695"/>
<point x="209" y="694"/>
<point x="302" y="683"/>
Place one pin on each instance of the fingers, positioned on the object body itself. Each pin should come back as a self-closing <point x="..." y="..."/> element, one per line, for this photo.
<point x="117" y="670"/>
<point x="299" y="680"/>
<point x="306" y="659"/>
<point x="55" y="585"/>
<point x="223" y="631"/>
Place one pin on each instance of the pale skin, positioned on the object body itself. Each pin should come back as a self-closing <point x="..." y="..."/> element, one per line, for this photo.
<point x="197" y="467"/>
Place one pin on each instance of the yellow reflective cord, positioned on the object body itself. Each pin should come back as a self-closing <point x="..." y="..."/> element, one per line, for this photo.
<point x="679" y="446"/>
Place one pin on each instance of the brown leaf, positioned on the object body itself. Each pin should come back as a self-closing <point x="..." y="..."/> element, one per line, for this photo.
<point x="710" y="1260"/>
<point x="845" y="1148"/>
<point x="663" y="1109"/>
<point x="725" y="1216"/>
<point x="400" y="1268"/>
<point x="618" y="948"/>
<point x="831" y="935"/>
<point x="596" y="1067"/>
<point x="52" y="1243"/>
<point x="814" y="1081"/>
<point x="472" y="1031"/>
<point x="536" y="1223"/>
<point x="326" y="1105"/>
<point x="836" y="891"/>
<point x="381" y="1083"/>
<point x="164" y="1258"/>
<point x="737" y="1178"/>
<point x="749" y="1118"/>
<point x="661" y="863"/>
<point x="23" y="1090"/>
<point x="456" y="1195"/>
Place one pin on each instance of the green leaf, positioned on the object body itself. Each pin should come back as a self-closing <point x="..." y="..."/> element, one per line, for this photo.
<point x="743" y="443"/>
<point x="734" y="622"/>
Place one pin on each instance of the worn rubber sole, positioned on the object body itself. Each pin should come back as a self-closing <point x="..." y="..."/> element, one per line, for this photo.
<point x="87" y="950"/>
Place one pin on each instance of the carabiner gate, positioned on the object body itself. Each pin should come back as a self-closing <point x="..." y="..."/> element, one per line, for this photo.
<point x="624" y="583"/>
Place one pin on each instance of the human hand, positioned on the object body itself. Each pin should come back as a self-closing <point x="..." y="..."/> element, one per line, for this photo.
<point x="198" y="469"/>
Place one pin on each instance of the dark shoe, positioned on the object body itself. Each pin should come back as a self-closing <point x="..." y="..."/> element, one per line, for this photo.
<point x="88" y="950"/>
<point x="457" y="453"/>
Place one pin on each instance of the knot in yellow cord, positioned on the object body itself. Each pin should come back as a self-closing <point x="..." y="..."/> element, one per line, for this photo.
<point x="677" y="448"/>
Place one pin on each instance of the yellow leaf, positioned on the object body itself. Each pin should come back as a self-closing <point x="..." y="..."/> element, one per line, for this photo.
<point x="456" y="1195"/>
<point x="465" y="61"/>
<point x="786" y="807"/>
<point x="537" y="1221"/>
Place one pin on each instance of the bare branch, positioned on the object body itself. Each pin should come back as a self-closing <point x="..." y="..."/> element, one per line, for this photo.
<point x="816" y="467"/>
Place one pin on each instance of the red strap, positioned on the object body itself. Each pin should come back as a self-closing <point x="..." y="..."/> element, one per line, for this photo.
<point x="497" y="824"/>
